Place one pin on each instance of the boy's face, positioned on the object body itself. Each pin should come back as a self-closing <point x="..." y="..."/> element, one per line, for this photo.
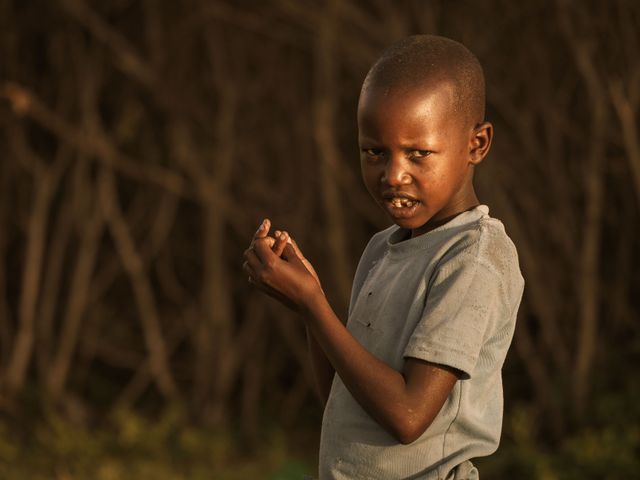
<point x="417" y="155"/>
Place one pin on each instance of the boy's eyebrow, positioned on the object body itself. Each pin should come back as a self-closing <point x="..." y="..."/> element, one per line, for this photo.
<point x="421" y="145"/>
<point x="368" y="140"/>
<point x="409" y="145"/>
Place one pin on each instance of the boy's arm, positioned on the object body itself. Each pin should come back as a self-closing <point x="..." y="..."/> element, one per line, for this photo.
<point x="323" y="371"/>
<point x="404" y="403"/>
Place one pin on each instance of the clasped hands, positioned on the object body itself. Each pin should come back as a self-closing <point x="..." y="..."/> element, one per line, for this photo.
<point x="277" y="267"/>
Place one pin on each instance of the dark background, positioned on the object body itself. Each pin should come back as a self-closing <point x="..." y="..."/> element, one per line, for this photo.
<point x="143" y="142"/>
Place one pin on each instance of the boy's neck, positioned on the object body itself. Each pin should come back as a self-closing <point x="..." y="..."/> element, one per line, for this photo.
<point x="431" y="226"/>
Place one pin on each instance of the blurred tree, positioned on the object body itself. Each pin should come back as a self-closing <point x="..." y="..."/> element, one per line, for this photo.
<point x="143" y="141"/>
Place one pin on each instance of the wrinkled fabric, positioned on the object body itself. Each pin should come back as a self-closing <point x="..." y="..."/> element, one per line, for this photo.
<point x="449" y="296"/>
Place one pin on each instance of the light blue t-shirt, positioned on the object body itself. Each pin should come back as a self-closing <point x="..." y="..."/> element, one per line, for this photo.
<point x="449" y="296"/>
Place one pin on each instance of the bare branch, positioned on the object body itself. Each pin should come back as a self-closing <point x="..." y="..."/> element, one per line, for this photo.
<point x="159" y="362"/>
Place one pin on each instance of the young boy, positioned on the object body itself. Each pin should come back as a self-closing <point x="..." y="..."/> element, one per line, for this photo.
<point x="418" y="390"/>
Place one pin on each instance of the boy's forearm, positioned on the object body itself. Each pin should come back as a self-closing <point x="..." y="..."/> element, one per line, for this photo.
<point x="322" y="369"/>
<point x="378" y="388"/>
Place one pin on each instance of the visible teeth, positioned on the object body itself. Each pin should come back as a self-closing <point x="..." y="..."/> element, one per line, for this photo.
<point x="402" y="202"/>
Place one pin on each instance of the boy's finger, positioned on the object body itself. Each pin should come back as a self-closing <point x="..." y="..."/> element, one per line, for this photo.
<point x="263" y="229"/>
<point x="270" y="241"/>
<point x="275" y="237"/>
<point x="262" y="250"/>
<point x="280" y="242"/>
<point x="295" y="247"/>
<point x="246" y="268"/>
<point x="290" y="255"/>
<point x="252" y="261"/>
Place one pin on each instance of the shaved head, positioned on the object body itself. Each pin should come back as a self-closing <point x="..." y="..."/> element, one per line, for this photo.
<point x="425" y="62"/>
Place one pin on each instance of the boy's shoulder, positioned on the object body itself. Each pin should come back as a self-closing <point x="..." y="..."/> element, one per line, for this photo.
<point x="472" y="243"/>
<point x="483" y="244"/>
<point x="484" y="241"/>
<point x="471" y="237"/>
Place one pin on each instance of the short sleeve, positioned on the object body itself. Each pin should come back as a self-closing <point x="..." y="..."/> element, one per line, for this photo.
<point x="462" y="304"/>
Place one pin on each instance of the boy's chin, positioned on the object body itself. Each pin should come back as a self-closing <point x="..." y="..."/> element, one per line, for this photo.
<point x="409" y="223"/>
<point x="416" y="224"/>
<point x="407" y="217"/>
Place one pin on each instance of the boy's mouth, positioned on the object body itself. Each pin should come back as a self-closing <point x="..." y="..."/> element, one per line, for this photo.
<point x="400" y="207"/>
<point x="401" y="202"/>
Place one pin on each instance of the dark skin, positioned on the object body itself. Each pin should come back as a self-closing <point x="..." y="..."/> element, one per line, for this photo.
<point x="413" y="147"/>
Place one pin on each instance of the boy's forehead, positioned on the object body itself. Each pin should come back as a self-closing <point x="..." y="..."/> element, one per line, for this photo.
<point x="432" y="97"/>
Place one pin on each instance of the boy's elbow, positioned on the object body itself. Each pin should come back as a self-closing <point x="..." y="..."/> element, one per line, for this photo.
<point x="409" y="430"/>
<point x="408" y="437"/>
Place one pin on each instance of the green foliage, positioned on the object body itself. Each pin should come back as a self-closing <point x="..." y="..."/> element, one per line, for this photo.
<point x="608" y="452"/>
<point x="133" y="447"/>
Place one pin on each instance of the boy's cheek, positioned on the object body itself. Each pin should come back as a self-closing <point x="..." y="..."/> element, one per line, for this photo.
<point x="370" y="184"/>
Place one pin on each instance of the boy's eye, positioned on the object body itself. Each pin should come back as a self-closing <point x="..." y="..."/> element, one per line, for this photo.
<point x="420" y="153"/>
<point x="372" y="152"/>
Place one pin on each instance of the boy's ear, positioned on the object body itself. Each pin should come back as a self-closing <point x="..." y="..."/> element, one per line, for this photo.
<point x="480" y="142"/>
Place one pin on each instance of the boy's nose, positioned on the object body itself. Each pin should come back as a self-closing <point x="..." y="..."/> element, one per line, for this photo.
<point x="395" y="173"/>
